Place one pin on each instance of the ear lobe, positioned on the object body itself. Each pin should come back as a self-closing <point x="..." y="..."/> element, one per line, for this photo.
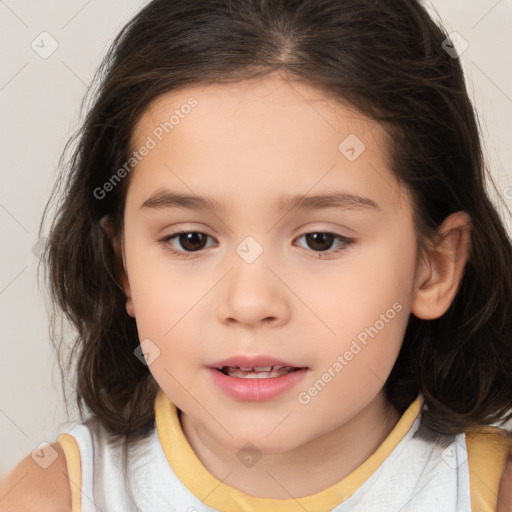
<point x="108" y="227"/>
<point x="440" y="277"/>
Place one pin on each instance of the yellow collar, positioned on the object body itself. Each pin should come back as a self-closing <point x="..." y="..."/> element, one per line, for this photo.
<point x="215" y="494"/>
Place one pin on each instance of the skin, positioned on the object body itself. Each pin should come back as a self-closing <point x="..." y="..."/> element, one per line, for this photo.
<point x="246" y="144"/>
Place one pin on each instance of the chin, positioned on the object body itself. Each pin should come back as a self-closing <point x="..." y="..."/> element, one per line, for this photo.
<point x="273" y="444"/>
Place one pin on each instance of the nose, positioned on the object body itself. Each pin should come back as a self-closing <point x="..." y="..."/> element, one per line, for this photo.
<point x="253" y="293"/>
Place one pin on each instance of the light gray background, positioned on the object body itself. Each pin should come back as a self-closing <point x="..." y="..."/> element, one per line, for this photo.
<point x="39" y="106"/>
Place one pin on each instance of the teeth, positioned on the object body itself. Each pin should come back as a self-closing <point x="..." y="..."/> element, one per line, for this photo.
<point x="259" y="372"/>
<point x="256" y="368"/>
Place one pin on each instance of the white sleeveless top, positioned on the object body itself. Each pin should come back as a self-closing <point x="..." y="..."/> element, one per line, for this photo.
<point x="406" y="473"/>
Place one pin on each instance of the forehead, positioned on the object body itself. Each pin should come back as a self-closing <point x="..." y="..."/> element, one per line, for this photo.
<point x="262" y="135"/>
<point x="269" y="101"/>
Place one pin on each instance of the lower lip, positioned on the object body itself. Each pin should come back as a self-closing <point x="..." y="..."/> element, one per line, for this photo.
<point x="256" y="390"/>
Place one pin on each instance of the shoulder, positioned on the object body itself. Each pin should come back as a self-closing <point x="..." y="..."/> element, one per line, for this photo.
<point x="30" y="488"/>
<point x="490" y="467"/>
<point x="505" y="491"/>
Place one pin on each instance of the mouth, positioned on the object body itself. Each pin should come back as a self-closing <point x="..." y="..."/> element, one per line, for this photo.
<point x="258" y="372"/>
<point x="256" y="378"/>
<point x="255" y="367"/>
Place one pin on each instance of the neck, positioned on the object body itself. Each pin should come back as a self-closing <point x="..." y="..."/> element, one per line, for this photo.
<point x="307" y="469"/>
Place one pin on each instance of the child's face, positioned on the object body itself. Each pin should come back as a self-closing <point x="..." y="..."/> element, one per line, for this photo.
<point x="256" y="284"/>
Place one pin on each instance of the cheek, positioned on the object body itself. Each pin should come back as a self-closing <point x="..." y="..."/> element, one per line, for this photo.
<point x="166" y="305"/>
<point x="354" y="364"/>
<point x="371" y="288"/>
<point x="366" y="307"/>
<point x="160" y="293"/>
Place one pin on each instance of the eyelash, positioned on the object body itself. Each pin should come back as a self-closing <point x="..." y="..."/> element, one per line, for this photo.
<point x="347" y="242"/>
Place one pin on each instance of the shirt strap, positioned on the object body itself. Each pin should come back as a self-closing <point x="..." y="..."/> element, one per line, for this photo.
<point x="74" y="467"/>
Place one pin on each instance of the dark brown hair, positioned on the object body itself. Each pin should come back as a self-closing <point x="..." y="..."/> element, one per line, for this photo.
<point x="384" y="57"/>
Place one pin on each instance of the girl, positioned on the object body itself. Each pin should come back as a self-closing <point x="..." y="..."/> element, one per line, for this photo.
<point x="290" y="289"/>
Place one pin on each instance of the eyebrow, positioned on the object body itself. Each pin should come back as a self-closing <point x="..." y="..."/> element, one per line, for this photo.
<point x="164" y="199"/>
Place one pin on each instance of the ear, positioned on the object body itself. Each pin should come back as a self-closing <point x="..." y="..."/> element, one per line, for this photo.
<point x="439" y="278"/>
<point x="120" y="270"/>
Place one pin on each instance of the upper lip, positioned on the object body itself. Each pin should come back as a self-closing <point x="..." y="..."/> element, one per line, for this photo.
<point x="246" y="361"/>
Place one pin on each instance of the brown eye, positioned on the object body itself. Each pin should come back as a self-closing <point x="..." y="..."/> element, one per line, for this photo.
<point x="320" y="241"/>
<point x="193" y="241"/>
<point x="188" y="242"/>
